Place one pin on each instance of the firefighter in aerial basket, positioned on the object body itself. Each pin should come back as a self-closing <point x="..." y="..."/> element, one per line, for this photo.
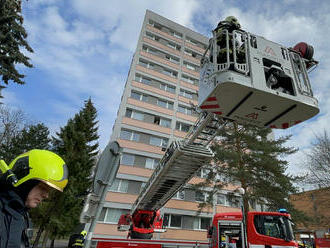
<point x="24" y="184"/>
<point x="230" y="24"/>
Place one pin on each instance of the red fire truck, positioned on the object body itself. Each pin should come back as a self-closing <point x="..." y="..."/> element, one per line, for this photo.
<point x="262" y="229"/>
<point x="322" y="239"/>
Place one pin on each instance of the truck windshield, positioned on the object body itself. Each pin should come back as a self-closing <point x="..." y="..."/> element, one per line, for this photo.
<point x="274" y="226"/>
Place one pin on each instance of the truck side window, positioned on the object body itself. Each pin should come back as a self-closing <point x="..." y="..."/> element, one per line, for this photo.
<point x="272" y="226"/>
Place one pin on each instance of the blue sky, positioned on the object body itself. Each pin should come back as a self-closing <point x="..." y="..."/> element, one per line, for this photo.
<point x="83" y="49"/>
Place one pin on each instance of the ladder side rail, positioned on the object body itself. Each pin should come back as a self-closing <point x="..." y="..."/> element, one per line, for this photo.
<point x="167" y="156"/>
<point x="201" y="123"/>
<point x="190" y="158"/>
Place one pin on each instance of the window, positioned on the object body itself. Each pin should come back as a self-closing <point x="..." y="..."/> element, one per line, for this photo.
<point x="143" y="63"/>
<point x="196" y="43"/>
<point x="156" y="141"/>
<point x="164" y="104"/>
<point x="201" y="196"/>
<point x="161" y="54"/>
<point x="152" y="51"/>
<point x="146" y="64"/>
<point x="201" y="223"/>
<point x="166" y="87"/>
<point x="170" y="73"/>
<point x="111" y="215"/>
<point x="179" y="195"/>
<point x="139" y="96"/>
<point x="190" y="66"/>
<point x="134" y="114"/>
<point x="234" y="201"/>
<point x="174" y="46"/>
<point x="188" y="52"/>
<point x="129" y="135"/>
<point x="176" y="34"/>
<point x="189" y="79"/>
<point x="185" y="110"/>
<point x="128" y="113"/>
<point x="172" y="220"/>
<point x="165" y="122"/>
<point x="191" y="41"/>
<point x="137" y="115"/>
<point x="222" y="199"/>
<point x="127" y="159"/>
<point x="143" y="79"/>
<point x="274" y="226"/>
<point x="150" y="35"/>
<point x="172" y="59"/>
<point x="182" y="127"/>
<point x="192" y="54"/>
<point x="186" y="94"/>
<point x="119" y="185"/>
<point x="151" y="163"/>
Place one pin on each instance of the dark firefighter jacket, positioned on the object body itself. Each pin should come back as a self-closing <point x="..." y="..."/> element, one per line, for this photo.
<point x="13" y="221"/>
<point x="76" y="241"/>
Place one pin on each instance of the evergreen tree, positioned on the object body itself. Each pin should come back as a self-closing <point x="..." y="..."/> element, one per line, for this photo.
<point x="245" y="155"/>
<point x="12" y="38"/>
<point x="30" y="137"/>
<point x="77" y="144"/>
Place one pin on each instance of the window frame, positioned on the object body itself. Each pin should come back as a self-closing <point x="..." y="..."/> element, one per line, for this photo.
<point x="106" y="209"/>
<point x="133" y="134"/>
<point x="170" y="216"/>
<point x="128" y="155"/>
<point x="121" y="184"/>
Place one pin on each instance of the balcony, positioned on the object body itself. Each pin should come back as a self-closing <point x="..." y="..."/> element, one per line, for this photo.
<point x="153" y="89"/>
<point x="160" y="60"/>
<point x="161" y="46"/>
<point x="189" y="85"/>
<point x="186" y="117"/>
<point x="164" y="34"/>
<point x="194" y="47"/>
<point x="187" y="100"/>
<point x="146" y="125"/>
<point x="192" y="59"/>
<point x="191" y="72"/>
<point x="149" y="106"/>
<point x="136" y="171"/>
<point x="156" y="74"/>
<point x="140" y="146"/>
<point x="120" y="197"/>
<point x="184" y="205"/>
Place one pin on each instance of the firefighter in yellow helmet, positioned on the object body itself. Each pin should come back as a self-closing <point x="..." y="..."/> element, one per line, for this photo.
<point x="77" y="240"/>
<point x="24" y="184"/>
<point x="230" y="24"/>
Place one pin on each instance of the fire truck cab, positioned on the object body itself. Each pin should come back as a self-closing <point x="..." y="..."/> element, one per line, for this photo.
<point x="263" y="229"/>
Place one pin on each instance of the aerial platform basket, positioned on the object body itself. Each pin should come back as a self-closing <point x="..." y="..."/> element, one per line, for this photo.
<point x="252" y="80"/>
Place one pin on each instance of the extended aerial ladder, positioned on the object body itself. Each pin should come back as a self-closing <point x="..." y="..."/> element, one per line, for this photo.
<point x="246" y="79"/>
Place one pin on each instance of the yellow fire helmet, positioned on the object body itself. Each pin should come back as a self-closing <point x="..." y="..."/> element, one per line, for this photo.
<point x="233" y="20"/>
<point x="84" y="233"/>
<point x="41" y="165"/>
